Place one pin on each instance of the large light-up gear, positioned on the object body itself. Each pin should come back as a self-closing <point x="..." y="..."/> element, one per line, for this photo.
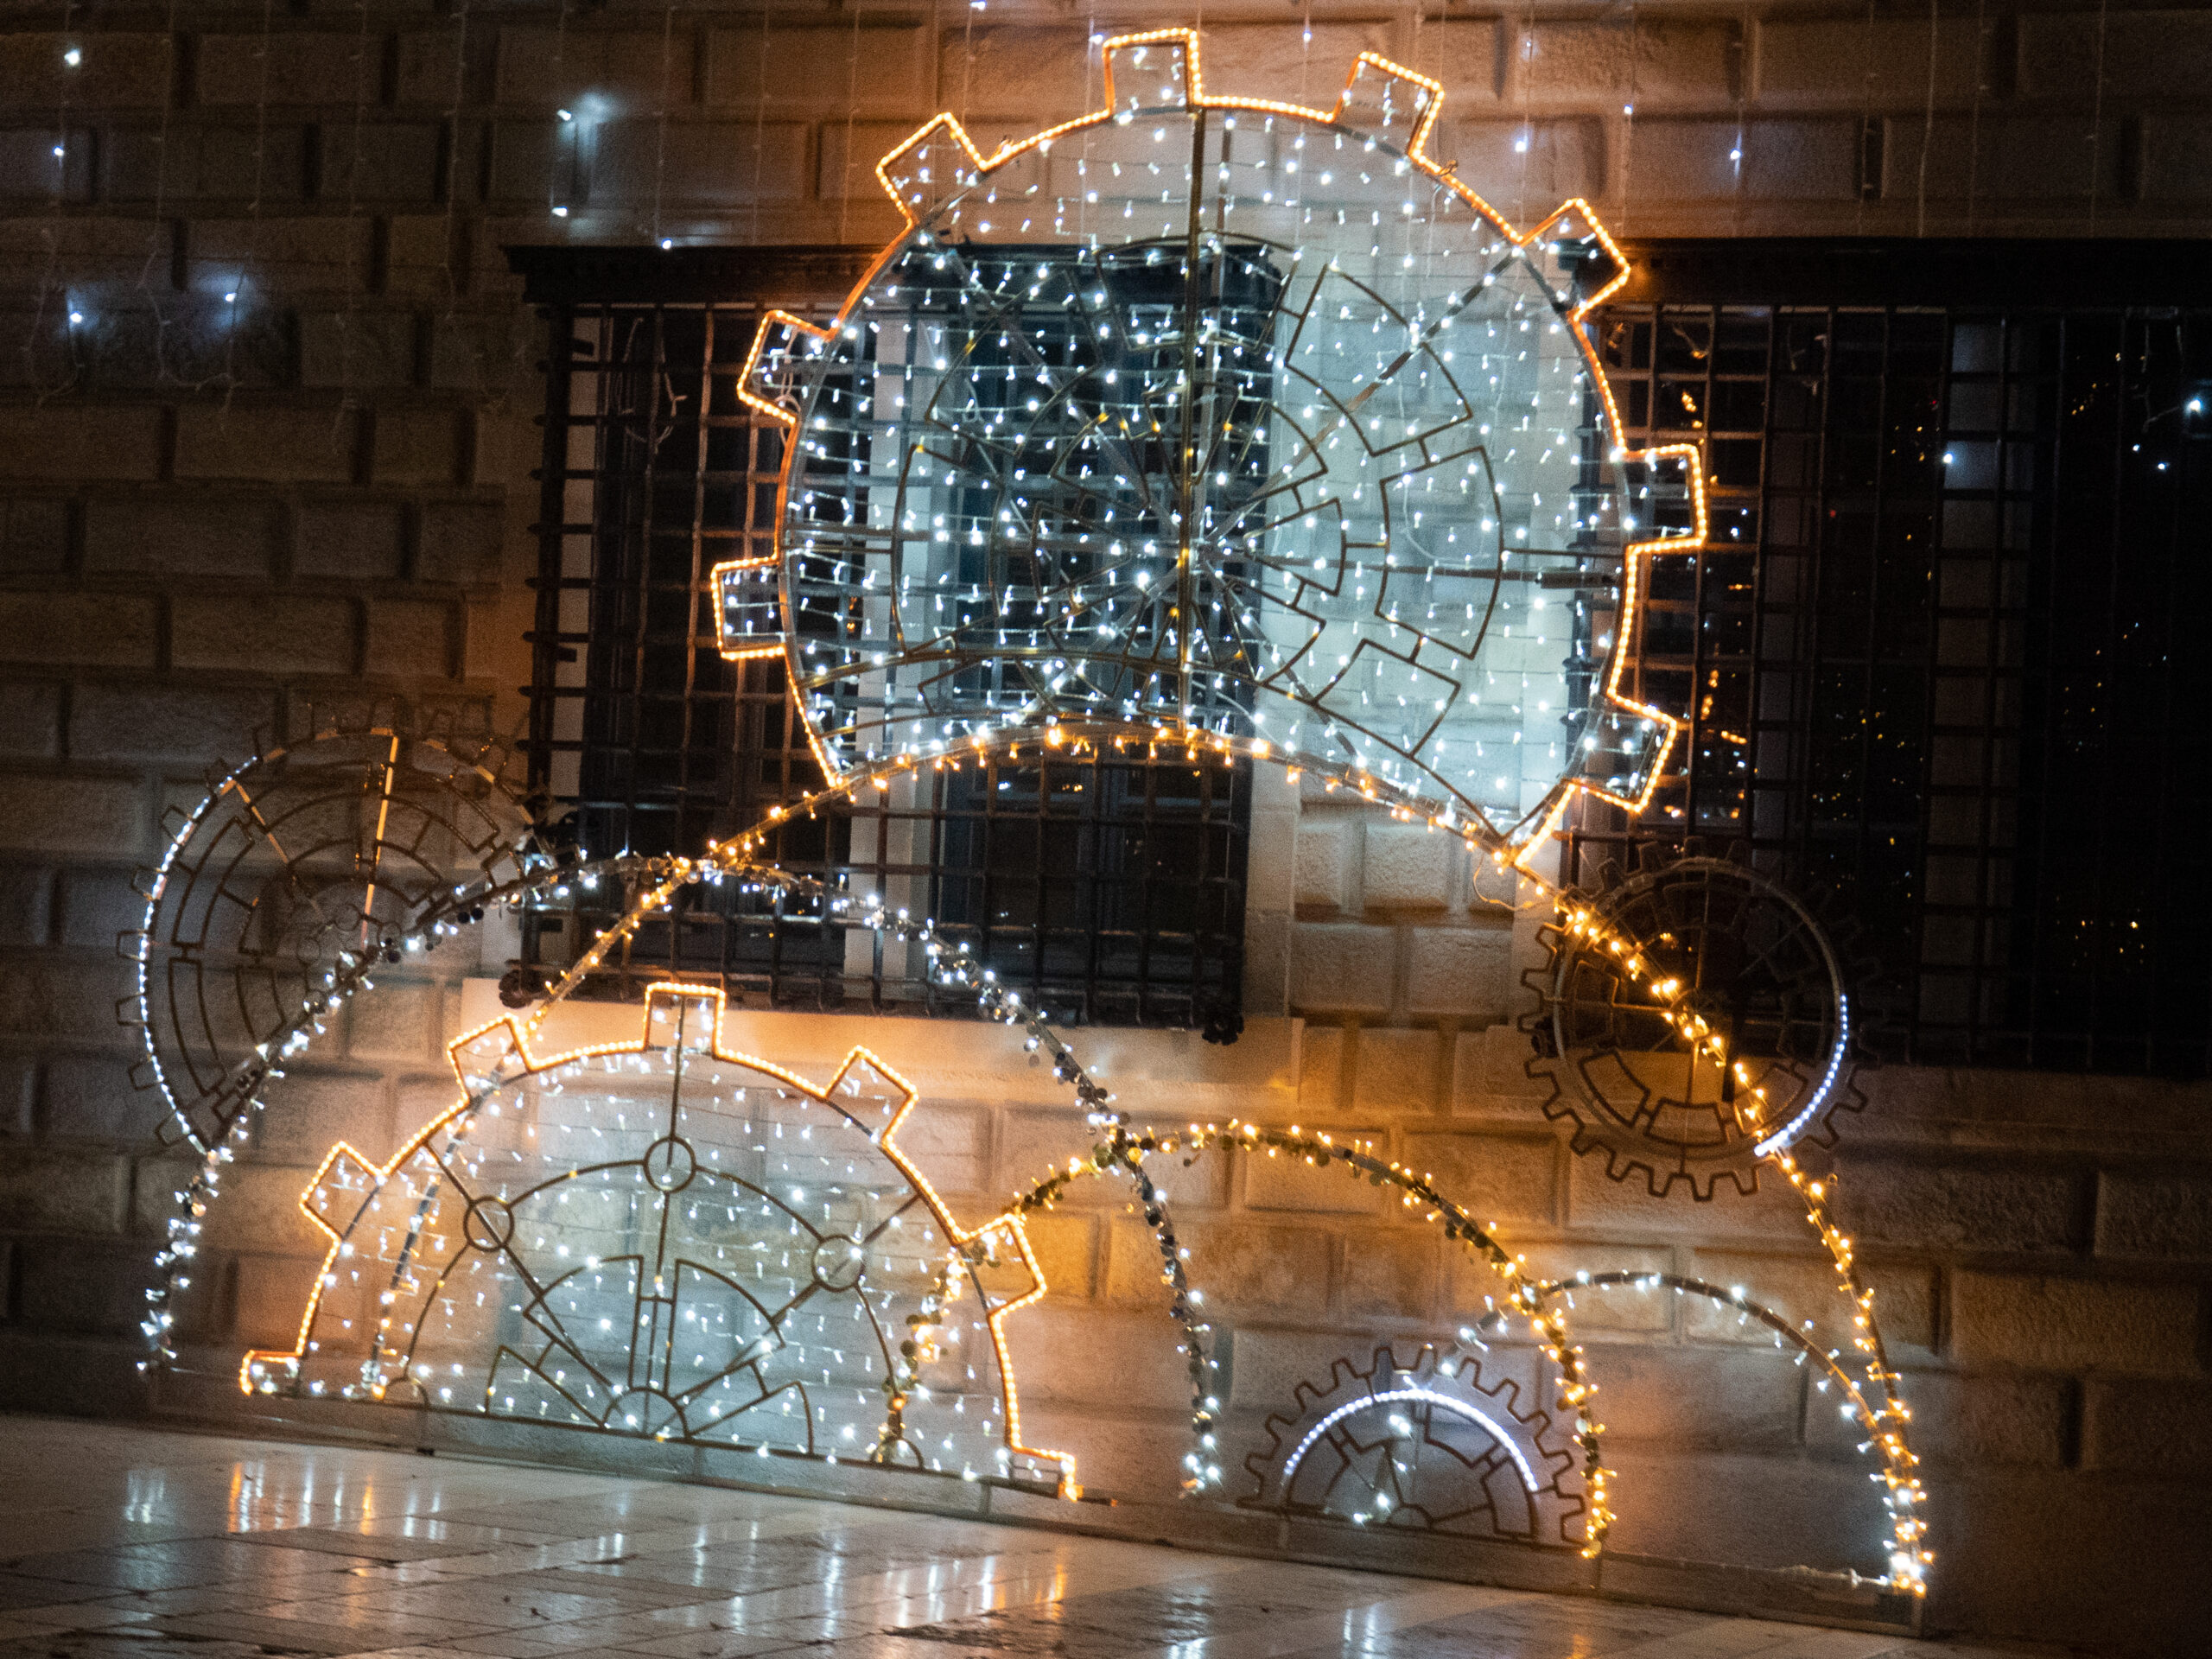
<point x="668" y="1239"/>
<point x="1429" y="1445"/>
<point x="1217" y="419"/>
<point x="1693" y="1020"/>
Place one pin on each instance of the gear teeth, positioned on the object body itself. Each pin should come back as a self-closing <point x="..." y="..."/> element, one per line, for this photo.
<point x="1537" y="1444"/>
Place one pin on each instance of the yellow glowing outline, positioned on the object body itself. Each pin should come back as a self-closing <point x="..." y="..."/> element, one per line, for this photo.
<point x="1628" y="628"/>
<point x="659" y="994"/>
<point x="741" y="653"/>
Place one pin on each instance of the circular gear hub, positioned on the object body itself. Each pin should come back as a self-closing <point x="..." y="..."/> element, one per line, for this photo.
<point x="1694" y="1018"/>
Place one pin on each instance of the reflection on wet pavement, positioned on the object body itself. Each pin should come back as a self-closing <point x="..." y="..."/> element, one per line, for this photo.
<point x="123" y="1543"/>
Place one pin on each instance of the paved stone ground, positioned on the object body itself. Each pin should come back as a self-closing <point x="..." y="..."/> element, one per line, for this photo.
<point x="122" y="1542"/>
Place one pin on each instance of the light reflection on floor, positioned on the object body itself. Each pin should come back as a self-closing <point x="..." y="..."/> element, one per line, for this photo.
<point x="121" y="1542"/>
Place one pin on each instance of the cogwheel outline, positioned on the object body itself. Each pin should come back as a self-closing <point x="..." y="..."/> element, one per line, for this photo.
<point x="1529" y="1445"/>
<point x="1623" y="1137"/>
<point x="252" y="900"/>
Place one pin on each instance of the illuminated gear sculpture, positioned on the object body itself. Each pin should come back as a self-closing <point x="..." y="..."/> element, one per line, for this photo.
<point x="1212" y="420"/>
<point x="1202" y="421"/>
<point x="667" y="1238"/>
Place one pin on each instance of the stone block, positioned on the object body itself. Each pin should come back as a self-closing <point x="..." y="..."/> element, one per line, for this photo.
<point x="1801" y="62"/>
<point x="1714" y="1399"/>
<point x="96" y="1286"/>
<point x="559" y="67"/>
<point x="2040" y="162"/>
<point x="699" y="164"/>
<point x="279" y="445"/>
<point x="2153" y="1213"/>
<point x="91" y="1097"/>
<point x="94" y="907"/>
<point x="381" y="162"/>
<point x="1389" y="1273"/>
<point x="307" y="1113"/>
<point x="26" y="903"/>
<point x="1395" y="1069"/>
<point x="1777" y="1510"/>
<point x="1764" y="160"/>
<point x="30" y="170"/>
<point x="848" y="153"/>
<point x="2145" y="56"/>
<point x="18" y="1103"/>
<point x="180" y="535"/>
<point x="295" y="257"/>
<point x="270" y="1293"/>
<point x="30" y="720"/>
<point x="1016" y="79"/>
<point x="1066" y="1248"/>
<point x="1579" y="63"/>
<point x="205" y="163"/>
<point x="1801" y="1289"/>
<point x="1288" y="1183"/>
<point x="287" y="69"/>
<point x="1093" y="1355"/>
<point x="417" y="446"/>
<point x="73" y="813"/>
<point x="949" y="1143"/>
<point x="1244" y="1265"/>
<point x="2177" y="159"/>
<point x="64" y="1002"/>
<point x="1961" y="1420"/>
<point x="1526" y="169"/>
<point x="1328" y="855"/>
<point x="2075" y="1325"/>
<point x="350" y="541"/>
<point x="877" y="69"/>
<point x="64" y="1190"/>
<point x="34" y="535"/>
<point x="1408" y="866"/>
<point x="1465" y="55"/>
<point x="1926" y="1204"/>
<point x="397" y="1022"/>
<point x="1489" y="1073"/>
<point x="62" y="443"/>
<point x="1321" y="1051"/>
<point x="360" y="351"/>
<point x="2159" y="1429"/>
<point x="113" y="71"/>
<point x="485" y="356"/>
<point x="1463" y="972"/>
<point x="102" y="630"/>
<point x="1342" y="967"/>
<point x="411" y="638"/>
<point x="1030" y="1145"/>
<point x="267" y="633"/>
<point x="1512" y="1179"/>
<point x="461" y="542"/>
<point x="1266" y="61"/>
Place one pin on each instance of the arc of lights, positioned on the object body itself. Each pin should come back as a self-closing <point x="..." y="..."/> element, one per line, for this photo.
<point x="781" y="333"/>
<point x="500" y="1052"/>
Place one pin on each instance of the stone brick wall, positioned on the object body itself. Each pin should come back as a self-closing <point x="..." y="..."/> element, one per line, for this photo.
<point x="219" y="513"/>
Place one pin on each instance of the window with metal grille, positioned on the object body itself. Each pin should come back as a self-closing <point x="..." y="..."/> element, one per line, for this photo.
<point x="1110" y="888"/>
<point x="1940" y="663"/>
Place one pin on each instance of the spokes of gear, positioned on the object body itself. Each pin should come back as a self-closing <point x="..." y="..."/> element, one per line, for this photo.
<point x="372" y="827"/>
<point x="1429" y="1445"/>
<point x="1693" y="1019"/>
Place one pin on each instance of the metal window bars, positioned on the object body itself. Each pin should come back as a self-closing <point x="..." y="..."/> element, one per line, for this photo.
<point x="1939" y="663"/>
<point x="1110" y="888"/>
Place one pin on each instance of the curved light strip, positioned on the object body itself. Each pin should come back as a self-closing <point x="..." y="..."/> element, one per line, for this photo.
<point x="1458" y="1407"/>
<point x="1787" y="1135"/>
